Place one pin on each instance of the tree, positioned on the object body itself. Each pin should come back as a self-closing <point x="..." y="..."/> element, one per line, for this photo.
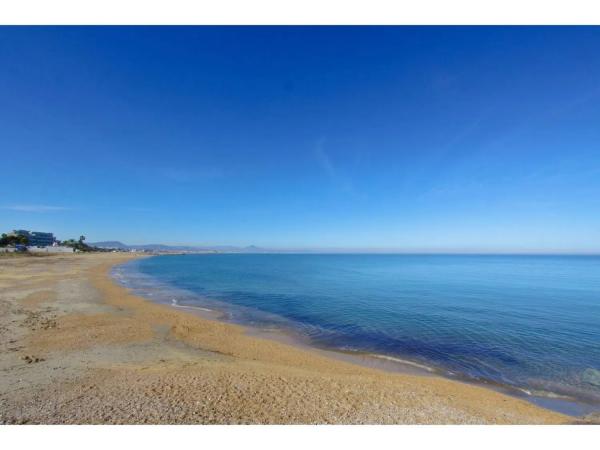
<point x="13" y="239"/>
<point x="78" y="245"/>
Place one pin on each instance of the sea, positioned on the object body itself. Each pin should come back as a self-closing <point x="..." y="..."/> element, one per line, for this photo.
<point x="528" y="325"/>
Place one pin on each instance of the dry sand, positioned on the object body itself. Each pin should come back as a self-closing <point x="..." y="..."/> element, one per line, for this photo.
<point x="77" y="348"/>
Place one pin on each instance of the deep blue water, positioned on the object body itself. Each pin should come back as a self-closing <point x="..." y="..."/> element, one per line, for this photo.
<point x="531" y="322"/>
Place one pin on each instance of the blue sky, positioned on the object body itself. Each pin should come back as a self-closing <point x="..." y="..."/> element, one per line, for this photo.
<point x="409" y="138"/>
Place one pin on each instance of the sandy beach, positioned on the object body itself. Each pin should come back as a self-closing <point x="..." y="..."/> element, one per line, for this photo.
<point x="75" y="348"/>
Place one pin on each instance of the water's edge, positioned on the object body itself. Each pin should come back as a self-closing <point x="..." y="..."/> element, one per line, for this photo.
<point x="128" y="276"/>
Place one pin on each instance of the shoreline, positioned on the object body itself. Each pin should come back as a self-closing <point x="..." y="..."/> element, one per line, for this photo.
<point x="83" y="349"/>
<point x="552" y="401"/>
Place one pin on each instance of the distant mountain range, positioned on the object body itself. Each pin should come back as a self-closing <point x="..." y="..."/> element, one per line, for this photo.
<point x="178" y="248"/>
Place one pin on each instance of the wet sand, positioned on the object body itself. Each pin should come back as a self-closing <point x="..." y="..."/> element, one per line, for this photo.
<point x="77" y="348"/>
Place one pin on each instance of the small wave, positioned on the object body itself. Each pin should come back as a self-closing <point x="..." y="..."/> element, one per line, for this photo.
<point x="542" y="393"/>
<point x="177" y="305"/>
<point x="197" y="307"/>
<point x="402" y="361"/>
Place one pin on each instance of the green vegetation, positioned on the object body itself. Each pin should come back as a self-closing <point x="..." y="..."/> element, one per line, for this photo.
<point x="77" y="245"/>
<point x="80" y="245"/>
<point x="12" y="240"/>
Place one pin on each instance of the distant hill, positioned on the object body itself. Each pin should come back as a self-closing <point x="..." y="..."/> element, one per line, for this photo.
<point x="110" y="244"/>
<point x="178" y="248"/>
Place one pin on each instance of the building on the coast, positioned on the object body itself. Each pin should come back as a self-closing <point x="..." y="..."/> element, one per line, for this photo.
<point x="36" y="238"/>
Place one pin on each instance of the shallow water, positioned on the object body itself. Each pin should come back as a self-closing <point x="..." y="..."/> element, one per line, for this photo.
<point x="527" y="322"/>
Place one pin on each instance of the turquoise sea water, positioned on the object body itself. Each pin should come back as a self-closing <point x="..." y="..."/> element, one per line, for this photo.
<point x="529" y="322"/>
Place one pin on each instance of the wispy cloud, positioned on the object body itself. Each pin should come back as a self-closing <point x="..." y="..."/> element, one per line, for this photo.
<point x="337" y="178"/>
<point x="36" y="208"/>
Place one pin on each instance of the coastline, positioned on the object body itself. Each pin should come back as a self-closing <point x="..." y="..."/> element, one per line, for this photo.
<point x="282" y="332"/>
<point x="114" y="357"/>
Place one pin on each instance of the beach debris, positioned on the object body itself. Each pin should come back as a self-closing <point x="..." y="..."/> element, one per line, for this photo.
<point x="591" y="418"/>
<point x="31" y="359"/>
<point x="37" y="321"/>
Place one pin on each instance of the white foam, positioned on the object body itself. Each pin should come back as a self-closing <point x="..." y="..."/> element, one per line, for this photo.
<point x="402" y="361"/>
<point x="176" y="305"/>
<point x="196" y="307"/>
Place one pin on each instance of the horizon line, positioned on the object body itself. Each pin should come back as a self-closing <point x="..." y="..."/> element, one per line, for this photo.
<point x="374" y="250"/>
